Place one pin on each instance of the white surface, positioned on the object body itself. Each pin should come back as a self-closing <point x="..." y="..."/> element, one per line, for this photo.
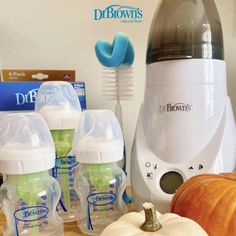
<point x="49" y="34"/>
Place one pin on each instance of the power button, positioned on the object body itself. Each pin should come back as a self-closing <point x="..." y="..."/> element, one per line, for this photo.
<point x="148" y="164"/>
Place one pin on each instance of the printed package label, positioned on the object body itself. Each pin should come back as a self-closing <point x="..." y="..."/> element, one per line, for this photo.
<point x="21" y="96"/>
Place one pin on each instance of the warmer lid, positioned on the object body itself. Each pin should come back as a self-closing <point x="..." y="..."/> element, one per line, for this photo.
<point x="185" y="29"/>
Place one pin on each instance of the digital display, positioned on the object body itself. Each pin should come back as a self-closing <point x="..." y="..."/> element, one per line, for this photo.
<point x="170" y="182"/>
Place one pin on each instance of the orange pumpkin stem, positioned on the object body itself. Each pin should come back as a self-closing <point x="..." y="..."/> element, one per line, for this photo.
<point x="151" y="223"/>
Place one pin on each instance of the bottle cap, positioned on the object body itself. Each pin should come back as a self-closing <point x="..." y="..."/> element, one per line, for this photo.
<point x="26" y="145"/>
<point x="58" y="103"/>
<point x="99" y="138"/>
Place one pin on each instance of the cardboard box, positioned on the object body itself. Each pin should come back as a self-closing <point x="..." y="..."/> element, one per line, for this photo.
<point x="21" y="96"/>
<point x="19" y="75"/>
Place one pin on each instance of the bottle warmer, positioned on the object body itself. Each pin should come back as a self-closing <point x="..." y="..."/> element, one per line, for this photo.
<point x="186" y="125"/>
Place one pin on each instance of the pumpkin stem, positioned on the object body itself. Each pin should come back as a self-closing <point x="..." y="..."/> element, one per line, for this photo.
<point x="151" y="223"/>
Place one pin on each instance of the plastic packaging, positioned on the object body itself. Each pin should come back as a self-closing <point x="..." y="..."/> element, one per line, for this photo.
<point x="29" y="195"/>
<point x="58" y="103"/>
<point x="100" y="183"/>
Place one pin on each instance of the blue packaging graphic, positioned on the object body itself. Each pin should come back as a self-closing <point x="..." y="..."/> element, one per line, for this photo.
<point x="21" y="96"/>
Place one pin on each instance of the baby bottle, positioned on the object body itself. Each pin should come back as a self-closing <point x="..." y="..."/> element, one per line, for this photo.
<point x="29" y="195"/>
<point x="100" y="183"/>
<point x="58" y="103"/>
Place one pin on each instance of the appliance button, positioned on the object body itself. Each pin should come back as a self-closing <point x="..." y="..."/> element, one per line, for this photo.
<point x="200" y="167"/>
<point x="150" y="175"/>
<point x="148" y="164"/>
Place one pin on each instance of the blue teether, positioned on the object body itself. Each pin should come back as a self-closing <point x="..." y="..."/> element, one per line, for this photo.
<point x="120" y="52"/>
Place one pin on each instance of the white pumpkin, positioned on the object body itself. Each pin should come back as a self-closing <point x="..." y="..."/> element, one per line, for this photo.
<point x="152" y="222"/>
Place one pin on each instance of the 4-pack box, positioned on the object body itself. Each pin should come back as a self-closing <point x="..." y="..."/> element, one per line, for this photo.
<point x="20" y="86"/>
<point x="21" y="96"/>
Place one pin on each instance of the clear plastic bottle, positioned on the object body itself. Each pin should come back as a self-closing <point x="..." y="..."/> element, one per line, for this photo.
<point x="58" y="103"/>
<point x="100" y="183"/>
<point x="29" y="195"/>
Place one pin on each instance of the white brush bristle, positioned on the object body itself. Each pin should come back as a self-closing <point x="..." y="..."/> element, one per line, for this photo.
<point x="118" y="83"/>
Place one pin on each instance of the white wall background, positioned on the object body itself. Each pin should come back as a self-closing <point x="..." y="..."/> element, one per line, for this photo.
<point x="57" y="34"/>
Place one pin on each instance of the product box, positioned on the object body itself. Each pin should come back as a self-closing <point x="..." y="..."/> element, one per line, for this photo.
<point x="19" y="75"/>
<point x="21" y="96"/>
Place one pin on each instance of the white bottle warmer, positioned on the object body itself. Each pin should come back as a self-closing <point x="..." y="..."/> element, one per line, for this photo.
<point x="186" y="125"/>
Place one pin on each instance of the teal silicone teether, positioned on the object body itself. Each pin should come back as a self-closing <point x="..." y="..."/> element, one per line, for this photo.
<point x="120" y="52"/>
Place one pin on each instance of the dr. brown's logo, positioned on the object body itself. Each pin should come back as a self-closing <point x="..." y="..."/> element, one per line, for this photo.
<point x="176" y="107"/>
